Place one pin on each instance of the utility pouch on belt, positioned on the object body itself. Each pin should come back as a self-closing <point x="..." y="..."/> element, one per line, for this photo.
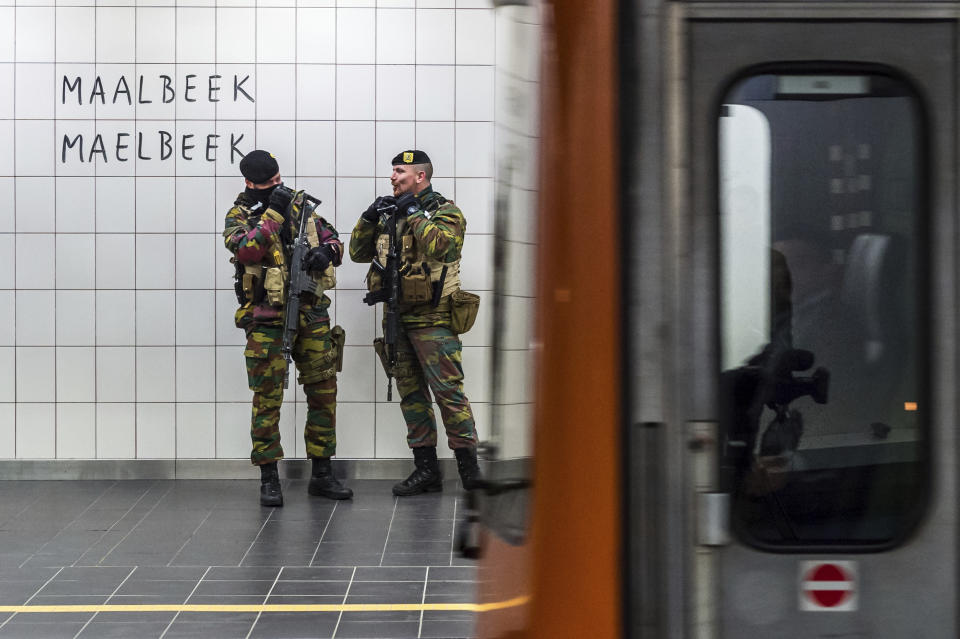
<point x="339" y="337"/>
<point x="415" y="287"/>
<point x="251" y="278"/>
<point x="381" y="349"/>
<point x="463" y="310"/>
<point x="374" y="281"/>
<point x="274" y="285"/>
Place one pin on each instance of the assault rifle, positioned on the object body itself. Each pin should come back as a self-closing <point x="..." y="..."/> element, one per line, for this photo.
<point x="389" y="294"/>
<point x="300" y="281"/>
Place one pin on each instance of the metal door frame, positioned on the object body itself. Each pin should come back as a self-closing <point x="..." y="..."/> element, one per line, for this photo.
<point x="666" y="339"/>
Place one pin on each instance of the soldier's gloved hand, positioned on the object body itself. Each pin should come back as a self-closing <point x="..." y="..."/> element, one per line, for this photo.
<point x="407" y="204"/>
<point x="372" y="214"/>
<point x="280" y="199"/>
<point x="318" y="259"/>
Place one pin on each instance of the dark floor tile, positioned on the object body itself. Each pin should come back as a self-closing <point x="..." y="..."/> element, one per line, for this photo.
<point x="306" y="600"/>
<point x="233" y="587"/>
<point x="390" y="573"/>
<point x="265" y="573"/>
<point x="295" y="625"/>
<point x="453" y="573"/>
<point x="447" y="629"/>
<point x="15" y="593"/>
<point x="417" y="559"/>
<point x="378" y="629"/>
<point x="443" y="616"/>
<point x="416" y="531"/>
<point x="464" y="589"/>
<point x="139" y="616"/>
<point x="228" y="600"/>
<point x="327" y="588"/>
<point x="382" y="592"/>
<point x="300" y="558"/>
<point x="167" y="573"/>
<point x="124" y="630"/>
<point x="316" y="573"/>
<point x="41" y="630"/>
<point x="380" y="616"/>
<point x="330" y="554"/>
<point x="172" y="590"/>
<point x="15" y="574"/>
<point x="69" y="600"/>
<point x="216" y="618"/>
<point x="208" y="630"/>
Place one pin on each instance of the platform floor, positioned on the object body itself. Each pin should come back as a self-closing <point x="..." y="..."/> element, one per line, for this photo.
<point x="160" y="548"/>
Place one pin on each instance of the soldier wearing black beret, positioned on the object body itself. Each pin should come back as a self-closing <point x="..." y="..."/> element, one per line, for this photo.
<point x="257" y="230"/>
<point x="430" y="232"/>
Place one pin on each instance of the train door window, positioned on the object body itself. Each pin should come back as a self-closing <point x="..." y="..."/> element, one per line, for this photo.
<point x="822" y="308"/>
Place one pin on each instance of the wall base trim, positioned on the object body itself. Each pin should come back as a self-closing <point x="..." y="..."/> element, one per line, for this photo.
<point x="112" y="469"/>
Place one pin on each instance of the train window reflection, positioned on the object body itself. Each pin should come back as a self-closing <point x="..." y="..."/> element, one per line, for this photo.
<point x="822" y="360"/>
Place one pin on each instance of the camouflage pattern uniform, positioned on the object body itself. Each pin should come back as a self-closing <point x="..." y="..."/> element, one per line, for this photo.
<point x="428" y="352"/>
<point x="254" y="244"/>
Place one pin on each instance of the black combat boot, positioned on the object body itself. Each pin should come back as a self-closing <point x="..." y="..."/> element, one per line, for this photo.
<point x="426" y="476"/>
<point x="324" y="484"/>
<point x="270" y="494"/>
<point x="468" y="468"/>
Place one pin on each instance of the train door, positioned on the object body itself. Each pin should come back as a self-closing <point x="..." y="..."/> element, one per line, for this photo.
<point x="817" y="330"/>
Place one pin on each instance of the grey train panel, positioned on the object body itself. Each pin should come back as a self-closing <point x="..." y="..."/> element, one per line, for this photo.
<point x="909" y="590"/>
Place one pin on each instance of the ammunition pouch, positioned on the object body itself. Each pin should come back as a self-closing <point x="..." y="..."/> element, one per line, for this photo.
<point x="275" y="286"/>
<point x="463" y="311"/>
<point x="415" y="287"/>
<point x="374" y="280"/>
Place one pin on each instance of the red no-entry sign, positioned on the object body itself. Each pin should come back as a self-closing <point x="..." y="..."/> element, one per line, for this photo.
<point x="828" y="585"/>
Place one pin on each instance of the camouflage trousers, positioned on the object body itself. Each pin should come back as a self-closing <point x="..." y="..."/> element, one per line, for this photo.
<point x="430" y="360"/>
<point x="317" y="355"/>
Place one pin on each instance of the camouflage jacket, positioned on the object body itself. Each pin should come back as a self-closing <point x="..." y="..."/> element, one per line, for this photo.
<point x="254" y="243"/>
<point x="438" y="229"/>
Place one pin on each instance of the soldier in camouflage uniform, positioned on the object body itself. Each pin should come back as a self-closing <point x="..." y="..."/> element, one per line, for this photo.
<point x="430" y="234"/>
<point x="258" y="230"/>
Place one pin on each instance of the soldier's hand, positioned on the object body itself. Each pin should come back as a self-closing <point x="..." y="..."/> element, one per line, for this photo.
<point x="318" y="259"/>
<point x="280" y="199"/>
<point x="372" y="214"/>
<point x="407" y="204"/>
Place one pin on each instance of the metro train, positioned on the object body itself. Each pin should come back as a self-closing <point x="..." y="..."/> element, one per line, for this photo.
<point x="725" y="321"/>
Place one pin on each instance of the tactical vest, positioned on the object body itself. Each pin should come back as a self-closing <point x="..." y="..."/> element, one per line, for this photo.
<point x="267" y="282"/>
<point x="419" y="274"/>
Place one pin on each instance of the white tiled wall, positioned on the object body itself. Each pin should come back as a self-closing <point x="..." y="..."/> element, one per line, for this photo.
<point x="116" y="301"/>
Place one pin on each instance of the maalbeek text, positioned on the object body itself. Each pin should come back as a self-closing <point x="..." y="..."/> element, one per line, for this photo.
<point x="164" y="89"/>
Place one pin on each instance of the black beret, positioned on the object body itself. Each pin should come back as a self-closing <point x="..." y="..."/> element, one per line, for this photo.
<point x="411" y="157"/>
<point x="259" y="166"/>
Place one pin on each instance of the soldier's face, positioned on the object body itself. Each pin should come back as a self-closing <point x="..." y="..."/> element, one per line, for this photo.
<point x="272" y="182"/>
<point x="405" y="180"/>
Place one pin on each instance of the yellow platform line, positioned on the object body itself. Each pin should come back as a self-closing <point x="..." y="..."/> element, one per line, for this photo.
<point x="470" y="607"/>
